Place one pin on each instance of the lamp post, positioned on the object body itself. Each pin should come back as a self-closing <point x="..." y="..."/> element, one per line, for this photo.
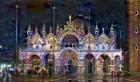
<point x="53" y="47"/>
<point x="120" y="38"/>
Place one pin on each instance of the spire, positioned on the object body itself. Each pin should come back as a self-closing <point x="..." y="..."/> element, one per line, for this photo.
<point x="36" y="30"/>
<point x="29" y="31"/>
<point x="44" y="30"/>
<point x="44" y="26"/>
<point x="112" y="32"/>
<point x="29" y="36"/>
<point x="112" y="27"/>
<point x="57" y="27"/>
<point x="96" y="29"/>
<point x="113" y="36"/>
<point x="51" y="29"/>
<point x="103" y="30"/>
<point x="96" y="26"/>
<point x="29" y="28"/>
<point x="70" y="18"/>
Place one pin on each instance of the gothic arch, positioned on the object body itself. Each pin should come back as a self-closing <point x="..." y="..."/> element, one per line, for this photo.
<point x="31" y="54"/>
<point x="65" y="50"/>
<point x="34" y="56"/>
<point x="69" y="33"/>
<point x="68" y="61"/>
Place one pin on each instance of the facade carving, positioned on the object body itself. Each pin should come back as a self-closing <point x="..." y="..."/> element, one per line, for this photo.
<point x="68" y="49"/>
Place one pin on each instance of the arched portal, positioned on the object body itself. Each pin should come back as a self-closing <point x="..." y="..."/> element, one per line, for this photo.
<point x="106" y="63"/>
<point x="49" y="63"/>
<point x="90" y="63"/>
<point x="117" y="63"/>
<point x="103" y="64"/>
<point x="35" y="61"/>
<point x="69" y="41"/>
<point x="69" y="62"/>
<point x="48" y="59"/>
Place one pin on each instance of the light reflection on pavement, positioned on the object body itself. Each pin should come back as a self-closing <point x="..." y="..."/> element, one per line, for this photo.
<point x="72" y="79"/>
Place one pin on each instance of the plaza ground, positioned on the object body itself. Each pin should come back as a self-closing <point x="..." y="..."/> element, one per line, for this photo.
<point x="97" y="78"/>
<point x="134" y="77"/>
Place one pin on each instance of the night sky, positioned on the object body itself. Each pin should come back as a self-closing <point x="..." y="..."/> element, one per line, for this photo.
<point x="36" y="12"/>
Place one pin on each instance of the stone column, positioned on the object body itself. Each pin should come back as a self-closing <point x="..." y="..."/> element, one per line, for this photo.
<point x="95" y="66"/>
<point x="112" y="65"/>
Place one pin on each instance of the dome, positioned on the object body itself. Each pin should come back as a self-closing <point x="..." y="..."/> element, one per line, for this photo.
<point x="79" y="22"/>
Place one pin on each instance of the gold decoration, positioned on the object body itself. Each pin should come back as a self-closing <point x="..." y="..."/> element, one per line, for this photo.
<point x="69" y="24"/>
<point x="104" y="39"/>
<point x="50" y="37"/>
<point x="36" y="38"/>
<point x="86" y="38"/>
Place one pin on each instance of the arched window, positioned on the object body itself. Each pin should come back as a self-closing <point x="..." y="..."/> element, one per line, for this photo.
<point x="70" y="41"/>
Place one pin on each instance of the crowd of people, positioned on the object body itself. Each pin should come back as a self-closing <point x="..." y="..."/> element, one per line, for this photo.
<point x="42" y="73"/>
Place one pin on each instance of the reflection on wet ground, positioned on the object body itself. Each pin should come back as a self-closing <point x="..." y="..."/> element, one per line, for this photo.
<point x="93" y="79"/>
<point x="88" y="80"/>
<point x="96" y="78"/>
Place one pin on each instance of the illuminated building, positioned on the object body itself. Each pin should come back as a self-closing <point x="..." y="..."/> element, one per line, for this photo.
<point x="72" y="50"/>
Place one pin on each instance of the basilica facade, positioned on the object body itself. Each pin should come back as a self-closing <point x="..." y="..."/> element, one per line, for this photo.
<point x="71" y="50"/>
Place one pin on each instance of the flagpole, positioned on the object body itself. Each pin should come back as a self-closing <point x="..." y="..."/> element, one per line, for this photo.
<point x="89" y="47"/>
<point x="53" y="32"/>
<point x="120" y="40"/>
<point x="17" y="11"/>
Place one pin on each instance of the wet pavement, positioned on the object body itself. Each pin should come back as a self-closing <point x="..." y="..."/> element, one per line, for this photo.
<point x="71" y="79"/>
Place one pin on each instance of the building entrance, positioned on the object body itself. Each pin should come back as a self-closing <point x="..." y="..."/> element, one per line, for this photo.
<point x="69" y="63"/>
